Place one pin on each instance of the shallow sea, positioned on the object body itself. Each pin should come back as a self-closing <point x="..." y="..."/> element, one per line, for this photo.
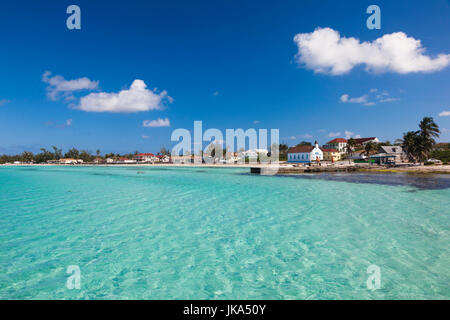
<point x="221" y="233"/>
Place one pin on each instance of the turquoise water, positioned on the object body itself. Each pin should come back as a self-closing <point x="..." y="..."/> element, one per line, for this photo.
<point x="199" y="233"/>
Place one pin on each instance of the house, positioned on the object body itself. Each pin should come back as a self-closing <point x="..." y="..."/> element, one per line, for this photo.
<point x="305" y="154"/>
<point x="331" y="154"/>
<point x="126" y="160"/>
<point x="359" y="155"/>
<point x="99" y="160"/>
<point x="253" y="153"/>
<point x="396" y="151"/>
<point x="70" y="161"/>
<point x="364" y="141"/>
<point x="339" y="144"/>
<point x="163" y="158"/>
<point x="181" y="159"/>
<point x="145" y="157"/>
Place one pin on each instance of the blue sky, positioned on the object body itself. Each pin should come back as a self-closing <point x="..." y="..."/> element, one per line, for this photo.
<point x="231" y="64"/>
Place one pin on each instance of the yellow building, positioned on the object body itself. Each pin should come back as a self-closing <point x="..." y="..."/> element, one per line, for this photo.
<point x="331" y="154"/>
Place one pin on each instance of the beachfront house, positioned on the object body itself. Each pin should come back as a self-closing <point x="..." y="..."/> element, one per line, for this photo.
<point x="253" y="153"/>
<point x="163" y="158"/>
<point x="339" y="144"/>
<point x="145" y="157"/>
<point x="124" y="160"/>
<point x="331" y="154"/>
<point x="181" y="159"/>
<point x="70" y="161"/>
<point x="305" y="154"/>
<point x="363" y="141"/>
<point x="389" y="154"/>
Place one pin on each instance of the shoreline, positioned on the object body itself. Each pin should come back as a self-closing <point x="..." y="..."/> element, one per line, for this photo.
<point x="285" y="168"/>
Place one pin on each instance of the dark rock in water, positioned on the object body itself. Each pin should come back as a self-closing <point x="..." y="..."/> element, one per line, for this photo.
<point x="425" y="181"/>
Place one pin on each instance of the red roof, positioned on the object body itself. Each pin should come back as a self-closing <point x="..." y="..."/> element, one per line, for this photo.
<point x="337" y="140"/>
<point x="300" y="149"/>
<point x="145" y="155"/>
<point x="328" y="150"/>
<point x="362" y="140"/>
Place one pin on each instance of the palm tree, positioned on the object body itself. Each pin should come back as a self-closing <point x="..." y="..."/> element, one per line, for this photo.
<point x="419" y="144"/>
<point x="369" y="148"/>
<point x="428" y="131"/>
<point x="410" y="145"/>
<point x="351" y="143"/>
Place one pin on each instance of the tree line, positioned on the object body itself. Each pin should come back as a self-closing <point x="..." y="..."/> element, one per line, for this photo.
<point x="56" y="153"/>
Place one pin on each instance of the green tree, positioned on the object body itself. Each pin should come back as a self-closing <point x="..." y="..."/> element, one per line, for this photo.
<point x="369" y="148"/>
<point x="57" y="153"/>
<point x="27" y="156"/>
<point x="351" y="143"/>
<point x="418" y="145"/>
<point x="304" y="143"/>
<point x="86" y="156"/>
<point x="72" y="153"/>
<point x="410" y="144"/>
<point x="428" y="131"/>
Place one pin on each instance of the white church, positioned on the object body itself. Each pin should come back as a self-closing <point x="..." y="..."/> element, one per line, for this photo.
<point x="305" y="154"/>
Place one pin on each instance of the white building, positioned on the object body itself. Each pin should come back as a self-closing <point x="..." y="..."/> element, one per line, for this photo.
<point x="145" y="157"/>
<point x="305" y="154"/>
<point x="340" y="144"/>
<point x="70" y="161"/>
<point x="253" y="153"/>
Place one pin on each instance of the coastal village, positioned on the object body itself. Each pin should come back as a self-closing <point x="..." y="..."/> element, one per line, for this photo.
<point x="417" y="148"/>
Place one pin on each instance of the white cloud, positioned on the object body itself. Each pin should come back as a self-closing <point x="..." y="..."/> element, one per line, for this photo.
<point x="156" y="123"/>
<point x="4" y="101"/>
<point x="333" y="134"/>
<point x="216" y="93"/>
<point x="145" y="137"/>
<point x="389" y="100"/>
<point x="344" y="98"/>
<point x="348" y="134"/>
<point x="304" y="136"/>
<point x="68" y="122"/>
<point x="367" y="99"/>
<point x="59" y="87"/>
<point x="325" y="51"/>
<point x="444" y="114"/>
<point x="256" y="122"/>
<point x="135" y="99"/>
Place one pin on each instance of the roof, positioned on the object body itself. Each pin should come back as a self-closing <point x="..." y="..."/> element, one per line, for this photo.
<point x="328" y="150"/>
<point x="362" y="140"/>
<point x="300" y="149"/>
<point x="145" y="154"/>
<point x="337" y="140"/>
<point x="390" y="149"/>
